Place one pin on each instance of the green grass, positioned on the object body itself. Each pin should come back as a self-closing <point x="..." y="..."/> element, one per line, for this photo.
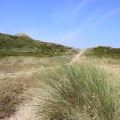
<point x="102" y="51"/>
<point x="25" y="46"/>
<point x="78" y="92"/>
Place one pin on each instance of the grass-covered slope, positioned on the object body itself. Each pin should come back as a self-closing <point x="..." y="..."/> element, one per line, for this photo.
<point x="104" y="51"/>
<point x="19" y="45"/>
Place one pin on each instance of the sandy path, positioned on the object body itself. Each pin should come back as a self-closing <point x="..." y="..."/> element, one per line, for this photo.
<point x="27" y="109"/>
<point x="78" y="56"/>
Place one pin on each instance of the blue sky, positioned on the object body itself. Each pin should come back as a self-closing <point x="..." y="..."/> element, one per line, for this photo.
<point x="76" y="23"/>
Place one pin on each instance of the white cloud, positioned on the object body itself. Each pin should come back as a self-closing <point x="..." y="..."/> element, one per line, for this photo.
<point x="108" y="15"/>
<point x="87" y="25"/>
<point x="89" y="19"/>
<point x="81" y="5"/>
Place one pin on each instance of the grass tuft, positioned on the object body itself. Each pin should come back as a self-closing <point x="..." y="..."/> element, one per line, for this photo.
<point x="78" y="92"/>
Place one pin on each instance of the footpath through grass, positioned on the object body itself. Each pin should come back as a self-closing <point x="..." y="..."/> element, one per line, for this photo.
<point x="81" y="91"/>
<point x="17" y="75"/>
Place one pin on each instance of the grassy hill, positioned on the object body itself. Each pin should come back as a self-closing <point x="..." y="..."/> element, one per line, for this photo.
<point x="23" y="45"/>
<point x="104" y="51"/>
<point x="52" y="89"/>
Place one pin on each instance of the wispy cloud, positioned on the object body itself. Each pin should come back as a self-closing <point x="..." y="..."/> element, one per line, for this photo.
<point x="81" y="5"/>
<point x="92" y="22"/>
<point x="89" y="19"/>
<point x="89" y="23"/>
<point x="108" y="14"/>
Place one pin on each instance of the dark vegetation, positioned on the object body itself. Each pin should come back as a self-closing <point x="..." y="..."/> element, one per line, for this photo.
<point x="25" y="46"/>
<point x="102" y="51"/>
<point x="10" y="97"/>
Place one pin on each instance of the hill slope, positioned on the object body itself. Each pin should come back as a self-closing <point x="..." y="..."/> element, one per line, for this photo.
<point x="103" y="51"/>
<point x="23" y="45"/>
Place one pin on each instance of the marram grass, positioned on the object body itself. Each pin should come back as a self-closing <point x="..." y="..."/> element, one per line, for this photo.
<point x="78" y="92"/>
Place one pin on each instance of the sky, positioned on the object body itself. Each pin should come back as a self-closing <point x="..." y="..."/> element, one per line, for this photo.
<point x="76" y="23"/>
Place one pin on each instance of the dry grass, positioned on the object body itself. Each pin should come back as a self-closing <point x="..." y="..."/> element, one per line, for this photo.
<point x="14" y="64"/>
<point x="10" y="97"/>
<point x="102" y="60"/>
<point x="19" y="73"/>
